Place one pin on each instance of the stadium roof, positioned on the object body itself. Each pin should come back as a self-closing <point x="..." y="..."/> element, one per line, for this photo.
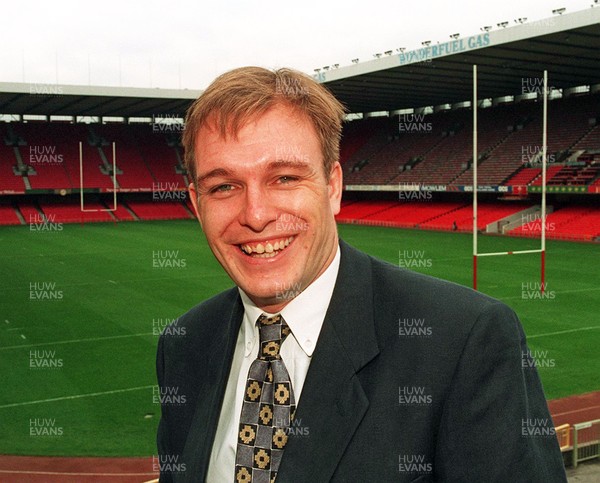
<point x="69" y="100"/>
<point x="510" y="61"/>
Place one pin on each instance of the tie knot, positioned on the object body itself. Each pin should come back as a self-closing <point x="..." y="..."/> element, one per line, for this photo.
<point x="273" y="331"/>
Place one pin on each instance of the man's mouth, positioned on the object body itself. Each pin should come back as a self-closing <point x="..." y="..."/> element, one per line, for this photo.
<point x="266" y="249"/>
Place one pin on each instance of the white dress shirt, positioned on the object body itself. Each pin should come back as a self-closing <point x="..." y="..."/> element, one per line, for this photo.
<point x="304" y="315"/>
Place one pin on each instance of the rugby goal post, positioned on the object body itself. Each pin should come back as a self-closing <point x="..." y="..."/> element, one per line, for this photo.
<point x="114" y="179"/>
<point x="542" y="249"/>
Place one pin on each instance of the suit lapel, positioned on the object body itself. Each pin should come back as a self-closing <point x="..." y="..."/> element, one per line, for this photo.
<point x="221" y="346"/>
<point x="333" y="402"/>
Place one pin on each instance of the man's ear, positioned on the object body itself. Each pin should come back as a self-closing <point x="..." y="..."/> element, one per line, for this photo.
<point x="335" y="186"/>
<point x="194" y="198"/>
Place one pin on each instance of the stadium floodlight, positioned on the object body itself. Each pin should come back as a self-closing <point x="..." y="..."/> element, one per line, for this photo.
<point x="400" y="49"/>
<point x="486" y="28"/>
<point x="502" y="24"/>
<point x="355" y="61"/>
<point x="559" y="11"/>
<point x="388" y="52"/>
<point x="454" y="36"/>
<point x="426" y="43"/>
<point x="378" y="54"/>
<point x="317" y="70"/>
<point x="520" y="20"/>
<point x="326" y="67"/>
<point x="335" y="66"/>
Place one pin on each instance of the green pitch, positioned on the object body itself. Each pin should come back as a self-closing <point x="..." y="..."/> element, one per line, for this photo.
<point x="81" y="308"/>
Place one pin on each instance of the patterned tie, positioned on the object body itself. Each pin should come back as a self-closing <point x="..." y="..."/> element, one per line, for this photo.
<point x="268" y="408"/>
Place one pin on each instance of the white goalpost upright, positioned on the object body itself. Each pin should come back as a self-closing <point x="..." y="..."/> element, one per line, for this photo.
<point x="542" y="249"/>
<point x="114" y="179"/>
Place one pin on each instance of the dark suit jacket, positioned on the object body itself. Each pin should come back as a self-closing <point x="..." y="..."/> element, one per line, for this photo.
<point x="451" y="401"/>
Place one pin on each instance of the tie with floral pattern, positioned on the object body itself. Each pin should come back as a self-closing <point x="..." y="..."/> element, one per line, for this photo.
<point x="268" y="408"/>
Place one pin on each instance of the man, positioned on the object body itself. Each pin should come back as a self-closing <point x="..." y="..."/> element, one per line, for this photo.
<point x="308" y="370"/>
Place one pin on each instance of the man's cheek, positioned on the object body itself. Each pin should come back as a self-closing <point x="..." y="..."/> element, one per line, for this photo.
<point x="207" y="219"/>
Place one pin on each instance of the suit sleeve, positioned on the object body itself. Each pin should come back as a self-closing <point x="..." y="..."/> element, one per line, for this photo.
<point x="162" y="436"/>
<point x="496" y="426"/>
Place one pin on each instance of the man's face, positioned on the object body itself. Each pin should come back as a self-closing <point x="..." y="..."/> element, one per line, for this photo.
<point x="265" y="205"/>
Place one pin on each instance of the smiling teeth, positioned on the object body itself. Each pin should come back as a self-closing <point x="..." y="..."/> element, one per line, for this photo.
<point x="267" y="250"/>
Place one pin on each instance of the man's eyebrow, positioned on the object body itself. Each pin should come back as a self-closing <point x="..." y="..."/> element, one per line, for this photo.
<point x="217" y="172"/>
<point x="288" y="163"/>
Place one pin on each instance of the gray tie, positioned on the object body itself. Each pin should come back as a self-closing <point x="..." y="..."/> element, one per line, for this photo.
<point x="268" y="407"/>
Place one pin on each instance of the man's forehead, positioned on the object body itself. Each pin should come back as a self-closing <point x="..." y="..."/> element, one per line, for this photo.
<point x="228" y="127"/>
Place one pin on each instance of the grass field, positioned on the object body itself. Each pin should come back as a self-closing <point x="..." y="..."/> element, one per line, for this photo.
<point x="79" y="309"/>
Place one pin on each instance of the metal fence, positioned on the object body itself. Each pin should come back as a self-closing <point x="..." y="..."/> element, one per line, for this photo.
<point x="586" y="441"/>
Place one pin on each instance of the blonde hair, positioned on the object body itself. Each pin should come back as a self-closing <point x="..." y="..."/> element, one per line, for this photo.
<point x="241" y="94"/>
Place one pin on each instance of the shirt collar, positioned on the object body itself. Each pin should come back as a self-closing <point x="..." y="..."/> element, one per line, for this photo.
<point x="304" y="314"/>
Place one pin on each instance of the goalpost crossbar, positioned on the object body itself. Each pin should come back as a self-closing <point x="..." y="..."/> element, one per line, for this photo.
<point x="516" y="252"/>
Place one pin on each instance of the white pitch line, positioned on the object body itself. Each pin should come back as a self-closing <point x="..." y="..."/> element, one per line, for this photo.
<point x="563" y="332"/>
<point x="130" y="280"/>
<point x="75" y="341"/>
<point x="575" y="411"/>
<point x="589" y="289"/>
<point x="77" y="396"/>
<point x="15" y="328"/>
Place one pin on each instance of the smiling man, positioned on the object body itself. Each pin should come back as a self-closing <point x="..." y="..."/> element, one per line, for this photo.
<point x="249" y="184"/>
<point x="304" y="372"/>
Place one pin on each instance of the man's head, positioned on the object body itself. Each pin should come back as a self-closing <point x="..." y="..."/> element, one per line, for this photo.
<point x="263" y="150"/>
<point x="241" y="94"/>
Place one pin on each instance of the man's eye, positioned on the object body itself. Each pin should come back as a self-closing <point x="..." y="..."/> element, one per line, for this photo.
<point x="287" y="179"/>
<point x="222" y="188"/>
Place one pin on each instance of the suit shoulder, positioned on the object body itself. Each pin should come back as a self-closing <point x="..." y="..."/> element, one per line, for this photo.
<point x="404" y="296"/>
<point x="454" y="313"/>
<point x="213" y="303"/>
<point x="419" y="287"/>
<point x="201" y="318"/>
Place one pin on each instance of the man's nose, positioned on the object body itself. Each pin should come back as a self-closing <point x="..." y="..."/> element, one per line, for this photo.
<point x="257" y="210"/>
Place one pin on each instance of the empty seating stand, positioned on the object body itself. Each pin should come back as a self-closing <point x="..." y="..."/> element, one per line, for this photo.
<point x="70" y="212"/>
<point x="566" y="223"/>
<point x="445" y="216"/>
<point x="45" y="157"/>
<point x="509" y="139"/>
<point x="163" y="210"/>
<point x="8" y="215"/>
<point x="409" y="214"/>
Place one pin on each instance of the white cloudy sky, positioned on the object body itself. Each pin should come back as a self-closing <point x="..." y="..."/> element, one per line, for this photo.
<point x="186" y="43"/>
